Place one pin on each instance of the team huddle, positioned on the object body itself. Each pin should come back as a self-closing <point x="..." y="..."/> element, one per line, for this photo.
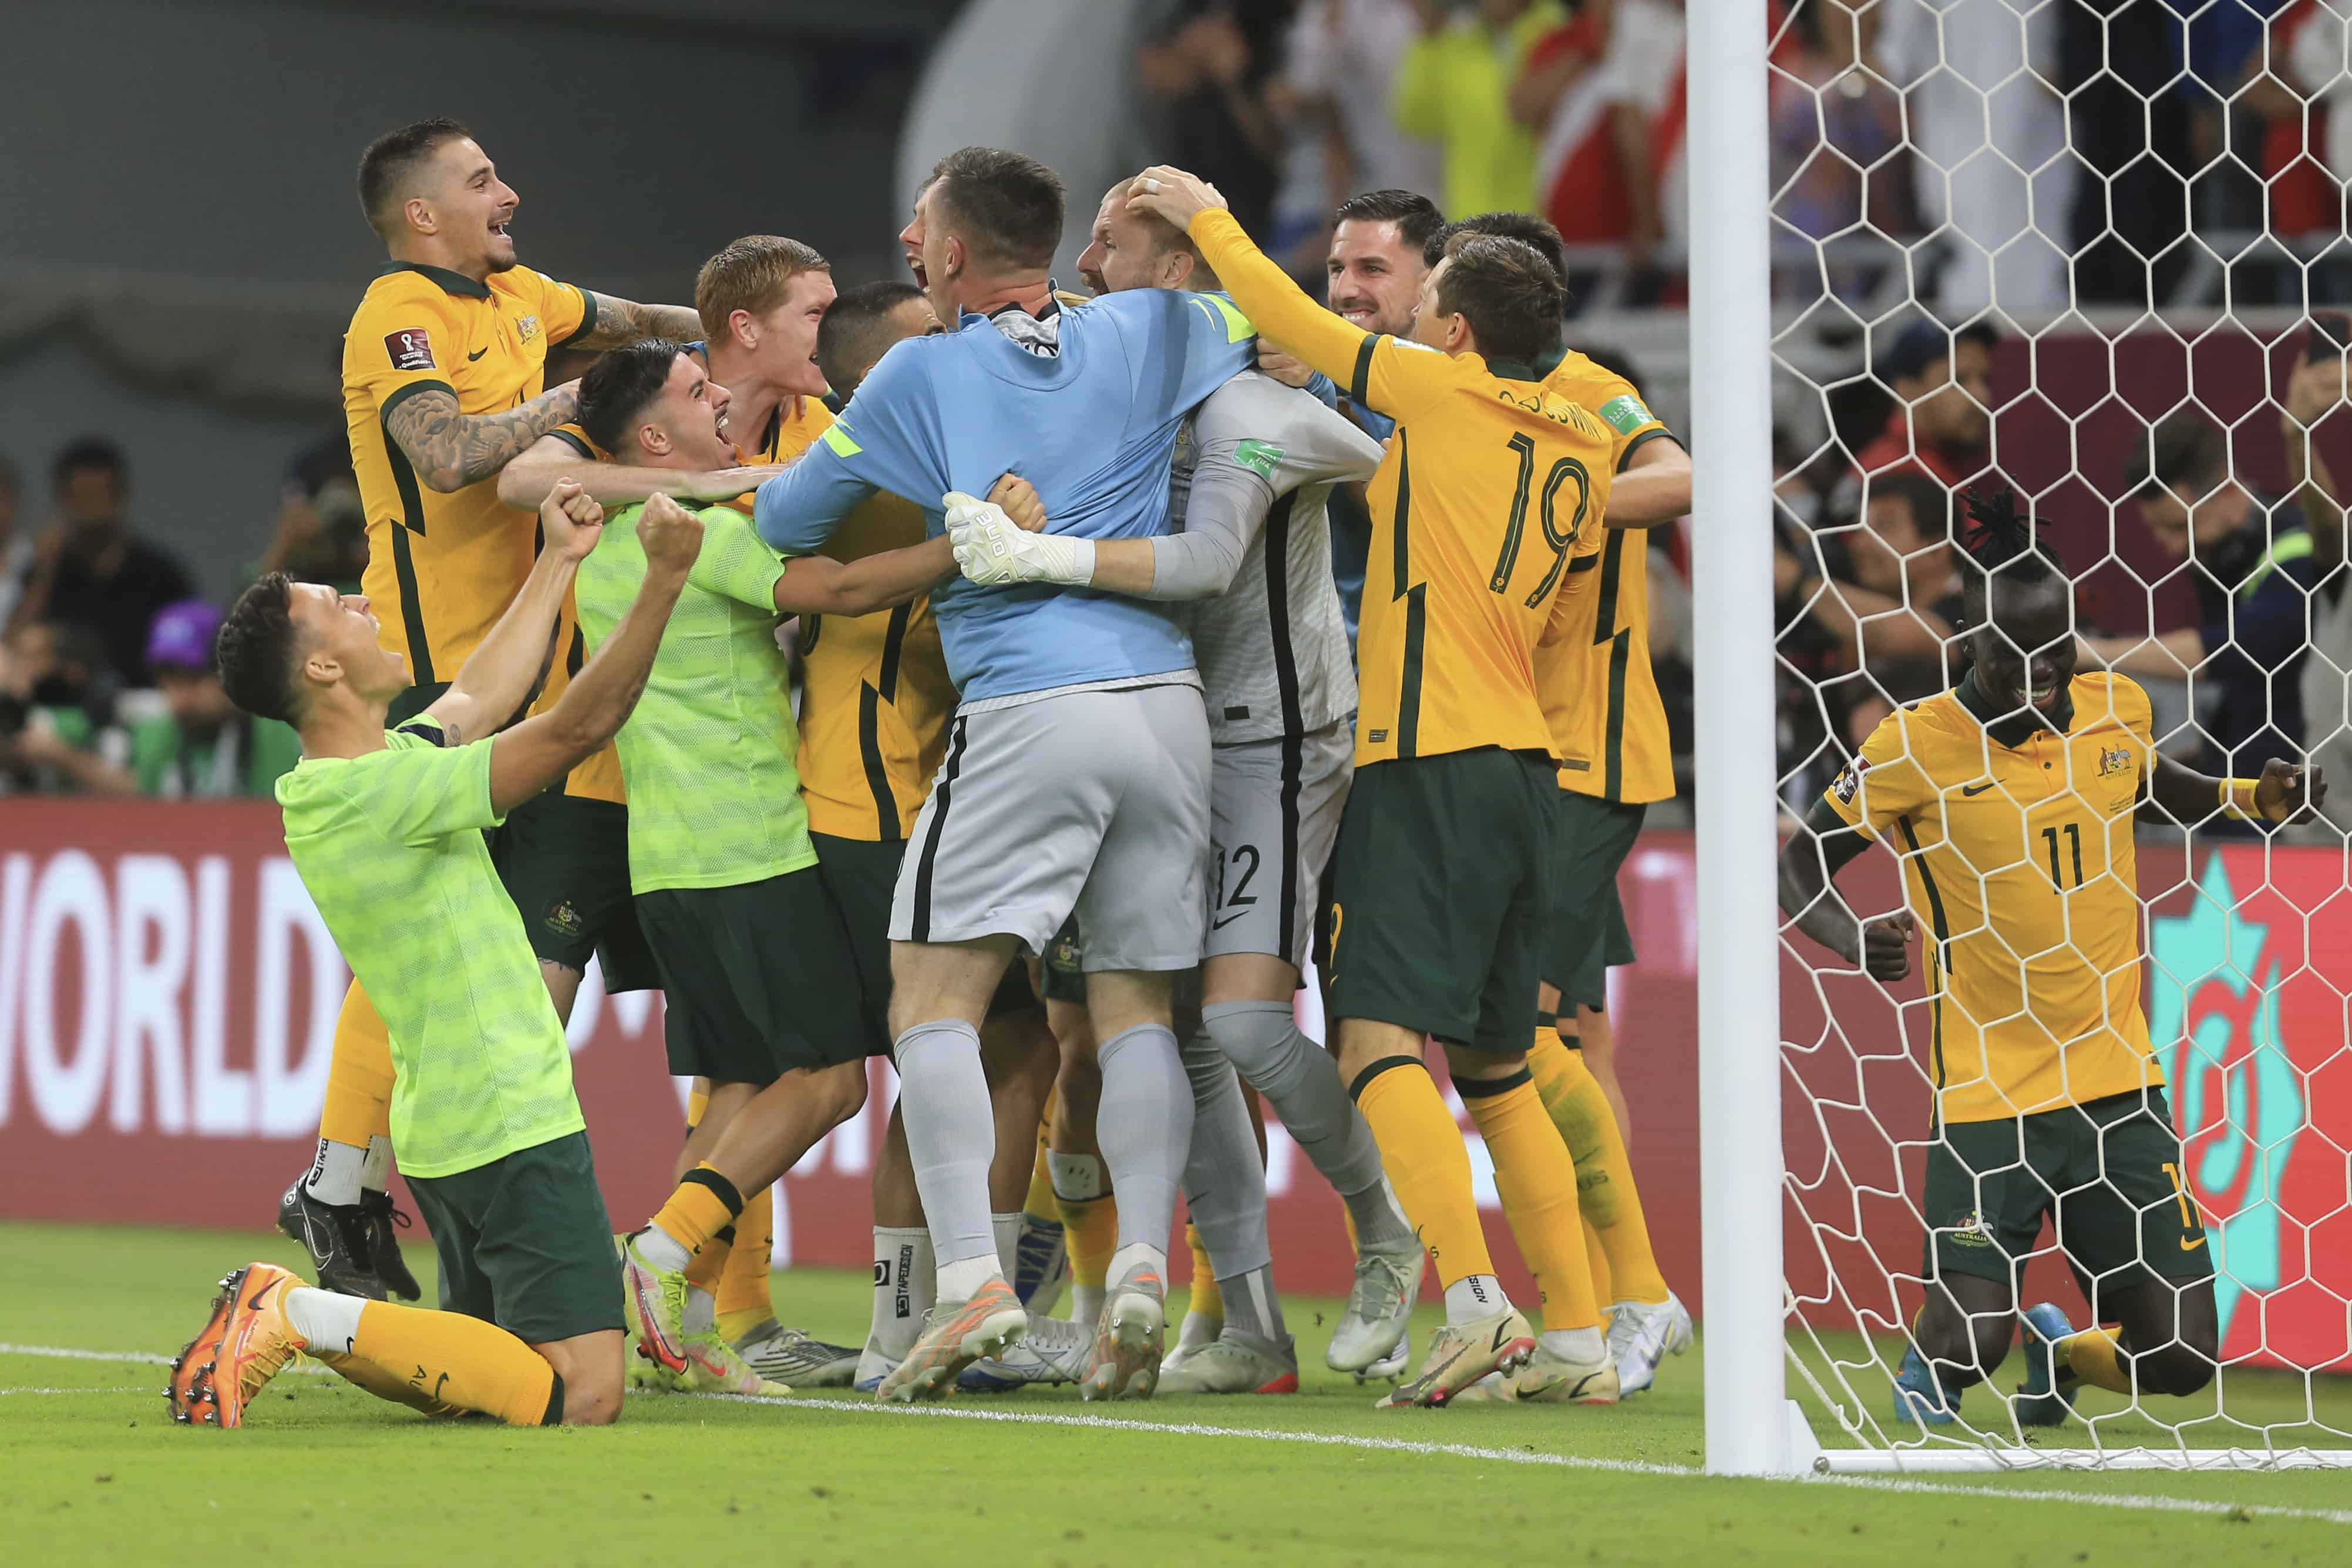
<point x="1097" y="748"/>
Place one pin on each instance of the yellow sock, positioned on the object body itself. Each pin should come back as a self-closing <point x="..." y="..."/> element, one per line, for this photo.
<point x="1537" y="1181"/>
<point x="2097" y="1358"/>
<point x="1427" y="1163"/>
<point x="743" y="1300"/>
<point x="1205" y="1300"/>
<point x="1611" y="1203"/>
<point x="697" y="1103"/>
<point x="705" y="1204"/>
<point x="451" y="1359"/>
<point x="1596" y="1260"/>
<point x="1090" y="1229"/>
<point x="1040" y="1201"/>
<point x="359" y="1075"/>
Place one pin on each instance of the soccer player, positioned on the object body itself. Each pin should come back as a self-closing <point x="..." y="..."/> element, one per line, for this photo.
<point x="2010" y="801"/>
<point x="1609" y="728"/>
<point x="1439" y="872"/>
<point x="1254" y="471"/>
<point x="1077" y="772"/>
<point x="385" y="826"/>
<point x="752" y="953"/>
<point x="862" y="325"/>
<point x="444" y="373"/>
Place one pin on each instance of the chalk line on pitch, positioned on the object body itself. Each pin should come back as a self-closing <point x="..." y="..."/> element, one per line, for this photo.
<point x="2135" y="1501"/>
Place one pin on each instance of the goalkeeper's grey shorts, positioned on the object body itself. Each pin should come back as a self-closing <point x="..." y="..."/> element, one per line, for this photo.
<point x="1092" y="801"/>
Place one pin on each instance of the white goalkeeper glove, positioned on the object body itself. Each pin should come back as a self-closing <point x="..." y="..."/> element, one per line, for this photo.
<point x="991" y="550"/>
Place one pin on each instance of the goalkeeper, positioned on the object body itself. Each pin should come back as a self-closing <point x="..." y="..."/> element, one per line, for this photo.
<point x="2010" y="801"/>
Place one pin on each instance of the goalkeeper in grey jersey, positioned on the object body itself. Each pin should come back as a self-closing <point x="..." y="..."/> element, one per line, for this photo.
<point x="1250" y="556"/>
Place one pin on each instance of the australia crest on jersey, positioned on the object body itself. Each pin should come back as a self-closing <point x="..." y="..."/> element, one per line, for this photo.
<point x="2114" y="760"/>
<point x="527" y="327"/>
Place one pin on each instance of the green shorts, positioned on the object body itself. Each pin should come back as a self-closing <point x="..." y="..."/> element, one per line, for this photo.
<point x="1587" y="936"/>
<point x="524" y="1242"/>
<point x="860" y="875"/>
<point x="565" y="862"/>
<point x="761" y="979"/>
<point x="1438" y="900"/>
<point x="2105" y="1172"/>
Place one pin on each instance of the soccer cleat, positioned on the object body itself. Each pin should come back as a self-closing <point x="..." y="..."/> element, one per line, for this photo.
<point x="794" y="1356"/>
<point x="1462" y="1354"/>
<point x="1053" y="1350"/>
<point x="653" y="1302"/>
<point x="377" y="1218"/>
<point x="1919" y="1399"/>
<point x="955" y="1335"/>
<point x="245" y="1343"/>
<point x="873" y="1366"/>
<point x="1641" y="1335"/>
<point x="2038" y="1403"/>
<point x="1128" y="1339"/>
<point x="1041" y="1263"/>
<point x="336" y="1237"/>
<point x="712" y="1366"/>
<point x="1371" y="1331"/>
<point x="1551" y="1378"/>
<point x="1233" y="1363"/>
<point x="1197" y="1331"/>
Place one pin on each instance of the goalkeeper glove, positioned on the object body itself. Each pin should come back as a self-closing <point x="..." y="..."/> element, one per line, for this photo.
<point x="991" y="550"/>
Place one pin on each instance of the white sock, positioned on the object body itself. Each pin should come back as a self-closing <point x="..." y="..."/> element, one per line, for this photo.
<point x="1473" y="1297"/>
<point x="1008" y="1241"/>
<point x="1583" y="1346"/>
<point x="968" y="1276"/>
<point x="661" y="1248"/>
<point x="904" y="1274"/>
<point x="335" y="1172"/>
<point x="1085" y="1304"/>
<point x="1138" y="1255"/>
<point x="377" y="1169"/>
<point x="326" y="1320"/>
<point x="1077" y="1177"/>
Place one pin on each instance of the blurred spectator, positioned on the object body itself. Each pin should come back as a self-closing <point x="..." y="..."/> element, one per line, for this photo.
<point x="1642" y="73"/>
<point x="1340" y="68"/>
<point x="1837" y="142"/>
<point x="1942" y="417"/>
<point x="1454" y="86"/>
<point x="1989" y="131"/>
<point x="15" y="543"/>
<point x="321" y="535"/>
<point x="201" y="747"/>
<point x="89" y="569"/>
<point x="2129" y="112"/>
<point x="2296" y="192"/>
<point x="57" y="723"/>
<point x="2251" y="560"/>
<point x="1211" y="63"/>
<point x="1563" y="97"/>
<point x="2314" y="391"/>
<point x="2314" y="62"/>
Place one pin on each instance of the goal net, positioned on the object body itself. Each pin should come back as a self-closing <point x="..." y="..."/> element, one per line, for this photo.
<point x="2086" y="253"/>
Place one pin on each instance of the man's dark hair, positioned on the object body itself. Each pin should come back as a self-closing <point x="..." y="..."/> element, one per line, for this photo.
<point x="257" y="650"/>
<point x="1414" y="214"/>
<point x="1524" y="226"/>
<point x="1927" y="342"/>
<point x="2187" y="454"/>
<point x="2003" y="544"/>
<point x="619" y="386"/>
<point x="1930" y="503"/>
<point x="391" y="162"/>
<point x="857" y="330"/>
<point x="90" y="452"/>
<point x="1508" y="292"/>
<point x="1007" y="206"/>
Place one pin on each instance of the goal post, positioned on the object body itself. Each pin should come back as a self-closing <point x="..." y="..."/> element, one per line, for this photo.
<point x="1819" y="1106"/>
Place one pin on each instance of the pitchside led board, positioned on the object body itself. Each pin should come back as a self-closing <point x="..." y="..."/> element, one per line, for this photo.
<point x="167" y="994"/>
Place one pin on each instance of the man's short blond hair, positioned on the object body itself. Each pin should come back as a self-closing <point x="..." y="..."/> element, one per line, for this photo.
<point x="751" y="274"/>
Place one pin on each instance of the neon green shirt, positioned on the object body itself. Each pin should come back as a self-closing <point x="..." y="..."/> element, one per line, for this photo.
<point x="390" y="845"/>
<point x="1454" y="86"/>
<point x="710" y="754"/>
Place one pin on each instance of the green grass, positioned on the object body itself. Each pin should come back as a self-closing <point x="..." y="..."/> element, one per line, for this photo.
<point x="91" y="1470"/>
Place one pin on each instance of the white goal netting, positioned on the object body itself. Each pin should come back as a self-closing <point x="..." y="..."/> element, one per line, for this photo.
<point x="2087" y="252"/>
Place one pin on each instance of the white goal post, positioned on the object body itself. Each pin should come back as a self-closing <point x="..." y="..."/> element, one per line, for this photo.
<point x="1805" y="1317"/>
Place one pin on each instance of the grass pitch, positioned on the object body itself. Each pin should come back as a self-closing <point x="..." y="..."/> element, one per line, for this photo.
<point x="92" y="1470"/>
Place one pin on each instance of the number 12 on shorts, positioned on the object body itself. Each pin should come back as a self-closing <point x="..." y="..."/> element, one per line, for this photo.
<point x="1230" y="905"/>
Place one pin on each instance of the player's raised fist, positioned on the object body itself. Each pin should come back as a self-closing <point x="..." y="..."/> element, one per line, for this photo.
<point x="672" y="535"/>
<point x="1886" y="945"/>
<point x="1172" y="193"/>
<point x="571" y="520"/>
<point x="2289" y="792"/>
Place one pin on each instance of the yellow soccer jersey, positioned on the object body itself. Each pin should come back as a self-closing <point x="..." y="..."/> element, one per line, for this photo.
<point x="1489" y="487"/>
<point x="2018" y="861"/>
<point x="1599" y="697"/>
<point x="443" y="568"/>
<point x="875" y="693"/>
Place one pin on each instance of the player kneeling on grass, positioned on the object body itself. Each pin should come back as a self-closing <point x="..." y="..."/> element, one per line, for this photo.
<point x="386" y="828"/>
<point x="2011" y="801"/>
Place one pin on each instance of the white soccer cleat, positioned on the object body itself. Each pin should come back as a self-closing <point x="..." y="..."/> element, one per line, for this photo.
<point x="1371" y="1331"/>
<point x="1055" y="1350"/>
<point x="1124" y="1362"/>
<point x="1641" y="1334"/>
<point x="797" y="1357"/>
<point x="1233" y="1363"/>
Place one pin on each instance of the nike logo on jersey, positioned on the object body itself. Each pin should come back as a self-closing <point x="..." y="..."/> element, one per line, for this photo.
<point x="1979" y="788"/>
<point x="478" y="354"/>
